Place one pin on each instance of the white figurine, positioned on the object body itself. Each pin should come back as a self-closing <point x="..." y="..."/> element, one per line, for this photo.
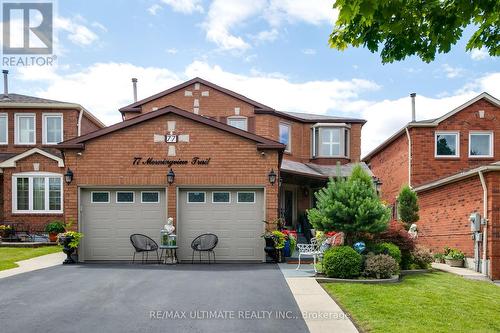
<point x="413" y="231"/>
<point x="170" y="226"/>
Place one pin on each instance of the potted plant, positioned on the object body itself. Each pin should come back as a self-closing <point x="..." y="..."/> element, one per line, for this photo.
<point x="6" y="231"/>
<point x="70" y="241"/>
<point x="438" y="258"/>
<point x="455" y="258"/>
<point x="53" y="229"/>
<point x="290" y="242"/>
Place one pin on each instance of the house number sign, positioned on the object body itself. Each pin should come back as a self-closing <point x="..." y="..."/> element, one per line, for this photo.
<point x="151" y="161"/>
<point x="171" y="138"/>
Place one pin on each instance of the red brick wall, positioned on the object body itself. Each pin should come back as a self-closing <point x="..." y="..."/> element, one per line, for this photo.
<point x="426" y="168"/>
<point x="88" y="125"/>
<point x="391" y="166"/>
<point x="493" y="184"/>
<point x="234" y="161"/>
<point x="70" y="119"/>
<point x="37" y="221"/>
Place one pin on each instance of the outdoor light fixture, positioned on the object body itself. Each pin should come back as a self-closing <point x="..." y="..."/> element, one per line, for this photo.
<point x="68" y="176"/>
<point x="170" y="176"/>
<point x="378" y="184"/>
<point x="272" y="177"/>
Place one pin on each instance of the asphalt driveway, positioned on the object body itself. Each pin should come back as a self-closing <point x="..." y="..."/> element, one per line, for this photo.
<point x="150" y="298"/>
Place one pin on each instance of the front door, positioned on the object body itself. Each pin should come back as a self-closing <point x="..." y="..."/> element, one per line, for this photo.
<point x="288" y="208"/>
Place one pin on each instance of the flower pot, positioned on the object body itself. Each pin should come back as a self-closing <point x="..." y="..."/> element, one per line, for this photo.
<point x="287" y="249"/>
<point x="454" y="262"/>
<point x="53" y="237"/>
<point x="64" y="241"/>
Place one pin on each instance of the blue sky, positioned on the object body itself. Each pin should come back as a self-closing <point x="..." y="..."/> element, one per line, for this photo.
<point x="273" y="51"/>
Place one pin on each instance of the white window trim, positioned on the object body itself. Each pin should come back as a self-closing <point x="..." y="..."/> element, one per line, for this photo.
<point x="16" y="128"/>
<point x="196" y="202"/>
<point x="492" y="141"/>
<point x="288" y="148"/>
<point x="341" y="139"/>
<point x="150" y="202"/>
<point x="6" y="115"/>
<point x="30" y="176"/>
<point x="125" y="202"/>
<point x="100" y="202"/>
<point x="457" y="135"/>
<point x="238" y="118"/>
<point x="245" y="202"/>
<point x="45" y="116"/>
<point x="225" y="202"/>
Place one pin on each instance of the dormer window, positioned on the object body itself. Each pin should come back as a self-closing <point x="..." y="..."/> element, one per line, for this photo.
<point x="331" y="140"/>
<point x="238" y="122"/>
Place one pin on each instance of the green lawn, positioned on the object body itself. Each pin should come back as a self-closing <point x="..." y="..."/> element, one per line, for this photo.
<point x="9" y="255"/>
<point x="433" y="302"/>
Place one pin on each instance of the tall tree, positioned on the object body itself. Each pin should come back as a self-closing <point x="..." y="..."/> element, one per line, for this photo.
<point x="408" y="206"/>
<point x="351" y="206"/>
<point x="415" y="27"/>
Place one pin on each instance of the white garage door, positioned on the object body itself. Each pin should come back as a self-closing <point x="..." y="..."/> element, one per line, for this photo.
<point x="234" y="215"/>
<point x="110" y="216"/>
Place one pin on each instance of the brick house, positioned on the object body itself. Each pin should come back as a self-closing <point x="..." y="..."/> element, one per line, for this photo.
<point x="453" y="163"/>
<point x="31" y="168"/>
<point x="222" y="149"/>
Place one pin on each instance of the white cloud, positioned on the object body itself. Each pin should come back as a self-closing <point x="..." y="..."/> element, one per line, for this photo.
<point x="172" y="50"/>
<point x="479" y="54"/>
<point x="154" y="9"/>
<point x="309" y="51"/>
<point x="91" y="88"/>
<point x="452" y="72"/>
<point x="225" y="16"/>
<point x="184" y="6"/>
<point x="77" y="32"/>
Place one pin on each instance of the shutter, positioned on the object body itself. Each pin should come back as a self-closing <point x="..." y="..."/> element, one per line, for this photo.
<point x="251" y="124"/>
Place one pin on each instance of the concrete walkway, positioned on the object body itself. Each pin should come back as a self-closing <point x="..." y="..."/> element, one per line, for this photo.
<point x="318" y="309"/>
<point x="463" y="272"/>
<point x="34" y="264"/>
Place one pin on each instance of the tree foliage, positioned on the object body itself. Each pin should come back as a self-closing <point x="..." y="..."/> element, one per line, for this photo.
<point x="414" y="27"/>
<point x="408" y="206"/>
<point x="351" y="206"/>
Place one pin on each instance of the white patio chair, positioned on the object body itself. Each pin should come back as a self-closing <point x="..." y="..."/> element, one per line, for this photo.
<point x="311" y="249"/>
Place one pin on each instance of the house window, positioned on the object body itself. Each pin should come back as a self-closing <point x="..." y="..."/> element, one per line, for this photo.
<point x="4" y="129"/>
<point x="25" y="129"/>
<point x="37" y="194"/>
<point x="285" y="130"/>
<point x="447" y="144"/>
<point x="124" y="197"/>
<point x="238" y="122"/>
<point x="221" y="197"/>
<point x="196" y="197"/>
<point x="52" y="129"/>
<point x="100" y="197"/>
<point x="480" y="144"/>
<point x="246" y="197"/>
<point x="330" y="142"/>
<point x="150" y="197"/>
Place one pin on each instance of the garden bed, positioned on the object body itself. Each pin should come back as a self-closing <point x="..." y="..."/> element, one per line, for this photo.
<point x="324" y="279"/>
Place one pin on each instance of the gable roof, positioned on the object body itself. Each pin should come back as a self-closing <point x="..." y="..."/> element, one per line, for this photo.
<point x="310" y="118"/>
<point x="431" y="122"/>
<point x="79" y="142"/>
<point x="136" y="106"/>
<point x="18" y="101"/>
<point x="11" y="162"/>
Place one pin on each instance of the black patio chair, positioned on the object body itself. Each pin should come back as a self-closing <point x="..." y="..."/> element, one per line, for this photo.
<point x="204" y="243"/>
<point x="143" y="244"/>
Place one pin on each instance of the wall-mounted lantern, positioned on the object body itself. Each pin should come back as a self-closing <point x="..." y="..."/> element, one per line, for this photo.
<point x="68" y="176"/>
<point x="170" y="177"/>
<point x="272" y="177"/>
<point x="378" y="184"/>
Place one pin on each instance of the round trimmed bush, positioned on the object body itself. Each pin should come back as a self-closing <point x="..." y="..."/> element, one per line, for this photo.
<point x="421" y="258"/>
<point x="390" y="249"/>
<point x="341" y="262"/>
<point x="380" y="266"/>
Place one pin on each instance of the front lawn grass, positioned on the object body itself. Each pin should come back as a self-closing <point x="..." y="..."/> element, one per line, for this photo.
<point x="433" y="302"/>
<point x="9" y="255"/>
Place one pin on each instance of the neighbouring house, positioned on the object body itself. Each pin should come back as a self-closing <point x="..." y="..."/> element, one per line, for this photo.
<point x="31" y="167"/>
<point x="453" y="163"/>
<point x="232" y="162"/>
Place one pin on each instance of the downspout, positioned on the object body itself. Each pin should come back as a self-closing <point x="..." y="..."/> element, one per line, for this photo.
<point x="409" y="155"/>
<point x="485" y="216"/>
<point x="79" y="124"/>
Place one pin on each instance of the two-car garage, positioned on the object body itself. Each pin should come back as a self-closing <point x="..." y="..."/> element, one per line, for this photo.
<point x="110" y="215"/>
